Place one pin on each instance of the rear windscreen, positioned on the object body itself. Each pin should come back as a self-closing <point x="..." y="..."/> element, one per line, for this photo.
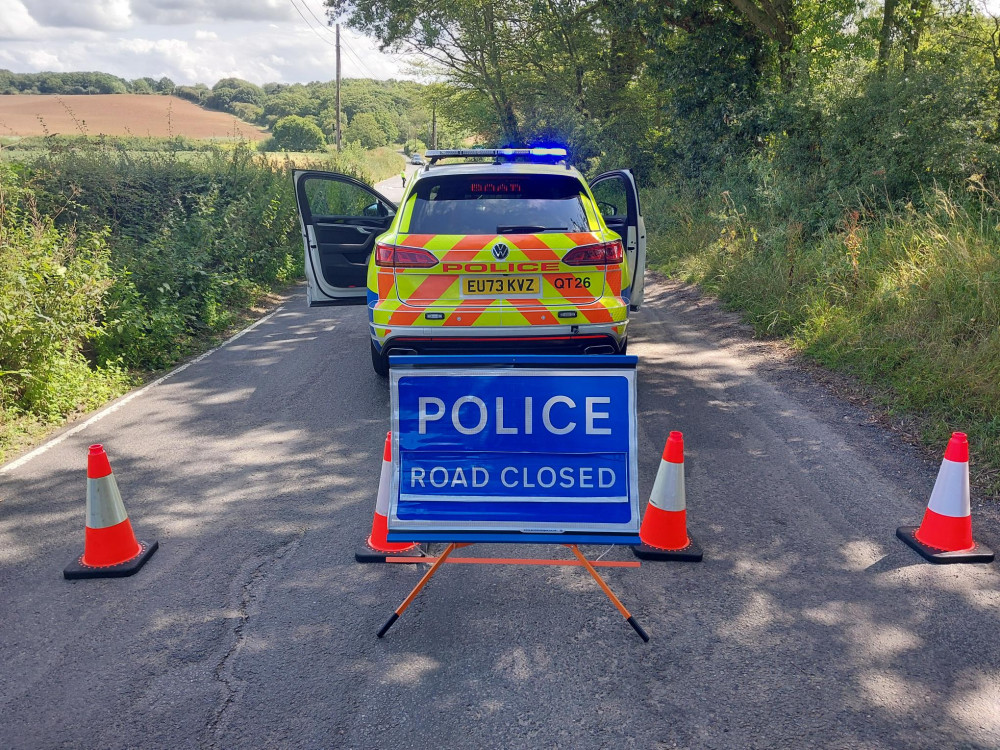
<point x="491" y="204"/>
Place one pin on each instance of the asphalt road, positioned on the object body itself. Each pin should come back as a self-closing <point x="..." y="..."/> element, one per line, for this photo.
<point x="392" y="188"/>
<point x="808" y="624"/>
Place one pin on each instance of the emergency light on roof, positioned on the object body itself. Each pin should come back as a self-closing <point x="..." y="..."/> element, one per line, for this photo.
<point x="538" y="153"/>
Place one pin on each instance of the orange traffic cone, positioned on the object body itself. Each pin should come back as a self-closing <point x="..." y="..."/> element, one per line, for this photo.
<point x="110" y="549"/>
<point x="945" y="534"/>
<point x="378" y="547"/>
<point x="664" y="532"/>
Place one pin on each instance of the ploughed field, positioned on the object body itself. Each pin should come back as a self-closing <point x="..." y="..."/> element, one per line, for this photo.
<point x="118" y="114"/>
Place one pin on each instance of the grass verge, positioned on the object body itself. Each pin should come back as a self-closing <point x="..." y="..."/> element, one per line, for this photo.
<point x="907" y="301"/>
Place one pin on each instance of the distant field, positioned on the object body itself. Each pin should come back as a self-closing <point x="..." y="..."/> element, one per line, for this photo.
<point x="118" y="114"/>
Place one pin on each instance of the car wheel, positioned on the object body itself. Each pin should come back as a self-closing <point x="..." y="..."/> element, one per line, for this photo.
<point x="380" y="362"/>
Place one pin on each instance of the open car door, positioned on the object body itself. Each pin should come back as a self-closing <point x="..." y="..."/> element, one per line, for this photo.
<point x="618" y="201"/>
<point x="340" y="218"/>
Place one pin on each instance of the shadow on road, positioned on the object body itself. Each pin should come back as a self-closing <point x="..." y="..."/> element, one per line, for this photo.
<point x="807" y="624"/>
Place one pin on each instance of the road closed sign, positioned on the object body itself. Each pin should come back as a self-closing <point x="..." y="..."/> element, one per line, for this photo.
<point x="525" y="448"/>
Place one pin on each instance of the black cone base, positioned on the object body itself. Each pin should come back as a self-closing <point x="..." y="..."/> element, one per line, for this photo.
<point x="978" y="554"/>
<point x="367" y="555"/>
<point x="77" y="569"/>
<point x="691" y="553"/>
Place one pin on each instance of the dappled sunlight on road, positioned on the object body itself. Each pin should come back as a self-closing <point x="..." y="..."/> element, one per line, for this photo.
<point x="409" y="669"/>
<point x="976" y="705"/>
<point x="808" y="624"/>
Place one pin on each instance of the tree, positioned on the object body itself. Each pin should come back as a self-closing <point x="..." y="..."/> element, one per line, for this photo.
<point x="468" y="39"/>
<point x="230" y="91"/>
<point x="517" y="63"/>
<point x="294" y="133"/>
<point x="364" y="128"/>
<point x="196" y="93"/>
<point x="288" y="103"/>
<point x="776" y="20"/>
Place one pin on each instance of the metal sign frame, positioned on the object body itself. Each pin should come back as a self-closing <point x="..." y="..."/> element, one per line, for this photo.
<point x="493" y="370"/>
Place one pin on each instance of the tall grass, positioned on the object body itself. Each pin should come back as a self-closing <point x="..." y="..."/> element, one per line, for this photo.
<point x="52" y="285"/>
<point x="906" y="299"/>
<point x="114" y="263"/>
<point x="371" y="166"/>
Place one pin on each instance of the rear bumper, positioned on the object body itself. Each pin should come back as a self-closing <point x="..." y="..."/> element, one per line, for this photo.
<point x="583" y="339"/>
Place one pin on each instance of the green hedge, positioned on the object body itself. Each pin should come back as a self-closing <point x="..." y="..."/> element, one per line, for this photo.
<point x="906" y="299"/>
<point x="115" y="262"/>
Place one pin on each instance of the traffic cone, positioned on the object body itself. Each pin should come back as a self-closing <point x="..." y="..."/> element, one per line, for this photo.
<point x="378" y="547"/>
<point x="110" y="549"/>
<point x="945" y="534"/>
<point x="664" y="532"/>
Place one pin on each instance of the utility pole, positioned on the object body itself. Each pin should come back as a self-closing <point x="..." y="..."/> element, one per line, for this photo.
<point x="338" y="88"/>
<point x="434" y="126"/>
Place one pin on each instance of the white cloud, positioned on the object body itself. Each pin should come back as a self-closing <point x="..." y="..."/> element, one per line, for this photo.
<point x="15" y="21"/>
<point x="179" y="12"/>
<point x="264" y="46"/>
<point x="104" y="15"/>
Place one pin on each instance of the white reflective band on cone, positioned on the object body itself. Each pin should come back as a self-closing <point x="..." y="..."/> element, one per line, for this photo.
<point x="668" y="487"/>
<point x="104" y="503"/>
<point x="950" y="496"/>
<point x="384" y="484"/>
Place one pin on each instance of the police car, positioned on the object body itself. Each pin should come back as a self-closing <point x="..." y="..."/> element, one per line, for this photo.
<point x="489" y="251"/>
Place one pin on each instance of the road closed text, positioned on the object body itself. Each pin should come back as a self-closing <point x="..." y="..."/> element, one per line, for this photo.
<point x="461" y="478"/>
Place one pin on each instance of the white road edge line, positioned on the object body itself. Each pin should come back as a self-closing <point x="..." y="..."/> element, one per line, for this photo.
<point x="124" y="400"/>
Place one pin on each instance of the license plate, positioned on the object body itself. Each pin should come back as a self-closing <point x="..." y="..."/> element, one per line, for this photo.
<point x="500" y="286"/>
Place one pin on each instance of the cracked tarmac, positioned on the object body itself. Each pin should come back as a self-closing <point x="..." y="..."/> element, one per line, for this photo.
<point x="808" y="624"/>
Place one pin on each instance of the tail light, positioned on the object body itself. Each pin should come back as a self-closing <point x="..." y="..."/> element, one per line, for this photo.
<point x="603" y="254"/>
<point x="403" y="257"/>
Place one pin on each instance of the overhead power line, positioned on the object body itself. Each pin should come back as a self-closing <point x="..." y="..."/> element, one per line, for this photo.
<point x="355" y="57"/>
<point x="311" y="27"/>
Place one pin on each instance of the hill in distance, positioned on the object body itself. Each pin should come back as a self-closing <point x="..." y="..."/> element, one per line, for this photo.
<point x="119" y="114"/>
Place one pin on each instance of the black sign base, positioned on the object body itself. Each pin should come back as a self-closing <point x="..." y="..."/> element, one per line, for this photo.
<point x="367" y="555"/>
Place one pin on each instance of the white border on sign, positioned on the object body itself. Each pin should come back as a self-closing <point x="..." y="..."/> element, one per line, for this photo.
<point x="631" y="527"/>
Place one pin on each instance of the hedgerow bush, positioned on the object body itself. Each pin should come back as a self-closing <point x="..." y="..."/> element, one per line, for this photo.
<point x="905" y="298"/>
<point x="115" y="262"/>
<point x="193" y="242"/>
<point x="52" y="285"/>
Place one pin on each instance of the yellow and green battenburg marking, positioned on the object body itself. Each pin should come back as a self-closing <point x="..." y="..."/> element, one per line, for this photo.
<point x="406" y="294"/>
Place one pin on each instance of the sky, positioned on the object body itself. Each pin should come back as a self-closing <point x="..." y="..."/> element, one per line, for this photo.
<point x="189" y="41"/>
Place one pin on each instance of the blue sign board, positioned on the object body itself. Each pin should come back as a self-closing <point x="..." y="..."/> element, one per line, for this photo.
<point x="524" y="448"/>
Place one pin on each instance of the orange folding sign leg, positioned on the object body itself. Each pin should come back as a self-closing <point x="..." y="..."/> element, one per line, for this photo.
<point x="608" y="592"/>
<point x="416" y="589"/>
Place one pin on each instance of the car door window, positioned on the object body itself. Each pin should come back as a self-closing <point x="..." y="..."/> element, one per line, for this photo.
<point x="612" y="198"/>
<point x="330" y="198"/>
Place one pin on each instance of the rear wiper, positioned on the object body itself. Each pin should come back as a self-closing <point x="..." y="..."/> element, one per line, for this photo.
<point x="526" y="229"/>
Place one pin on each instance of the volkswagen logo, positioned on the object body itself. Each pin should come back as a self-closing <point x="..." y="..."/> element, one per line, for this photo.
<point x="500" y="251"/>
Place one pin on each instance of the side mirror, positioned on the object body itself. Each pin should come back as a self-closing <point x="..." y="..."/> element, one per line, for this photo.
<point x="607" y="209"/>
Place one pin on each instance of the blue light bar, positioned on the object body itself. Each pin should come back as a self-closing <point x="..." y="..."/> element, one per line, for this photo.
<point x="538" y="152"/>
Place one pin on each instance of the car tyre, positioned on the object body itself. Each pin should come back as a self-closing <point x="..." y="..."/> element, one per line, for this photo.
<point x="380" y="362"/>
